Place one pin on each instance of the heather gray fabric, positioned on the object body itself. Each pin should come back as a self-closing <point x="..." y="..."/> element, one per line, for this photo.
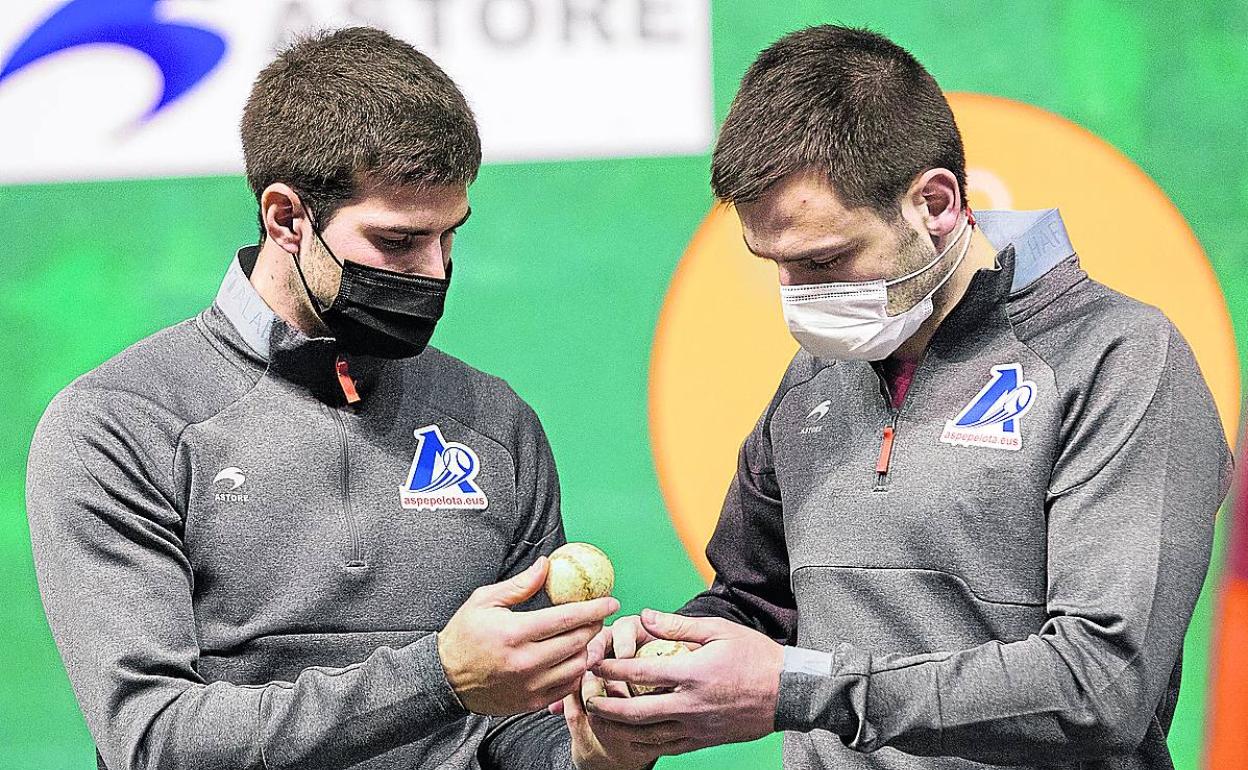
<point x="977" y="606"/>
<point x="287" y="621"/>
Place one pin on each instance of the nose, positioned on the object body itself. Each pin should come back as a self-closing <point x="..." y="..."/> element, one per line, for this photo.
<point x="787" y="276"/>
<point x="433" y="260"/>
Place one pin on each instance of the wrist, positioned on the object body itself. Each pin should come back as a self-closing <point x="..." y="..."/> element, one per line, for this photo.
<point x="450" y="671"/>
<point x="419" y="669"/>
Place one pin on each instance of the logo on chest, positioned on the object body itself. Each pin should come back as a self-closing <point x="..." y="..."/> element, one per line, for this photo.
<point x="993" y="419"/>
<point x="442" y="475"/>
<point x="812" y="419"/>
<point x="226" y="484"/>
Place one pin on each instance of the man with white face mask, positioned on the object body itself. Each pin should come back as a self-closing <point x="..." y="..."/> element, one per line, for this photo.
<point x="970" y="527"/>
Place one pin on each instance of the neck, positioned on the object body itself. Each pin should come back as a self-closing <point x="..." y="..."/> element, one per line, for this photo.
<point x="278" y="284"/>
<point x="981" y="255"/>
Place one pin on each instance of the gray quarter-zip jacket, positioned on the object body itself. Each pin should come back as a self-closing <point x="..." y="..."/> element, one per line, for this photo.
<point x="1000" y="572"/>
<point x="243" y="571"/>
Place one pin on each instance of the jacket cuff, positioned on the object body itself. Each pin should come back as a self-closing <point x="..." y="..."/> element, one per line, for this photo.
<point x="430" y="671"/>
<point x="868" y="702"/>
<point x="818" y="690"/>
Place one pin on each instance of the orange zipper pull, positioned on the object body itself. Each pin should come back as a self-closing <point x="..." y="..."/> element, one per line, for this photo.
<point x="345" y="381"/>
<point x="886" y="451"/>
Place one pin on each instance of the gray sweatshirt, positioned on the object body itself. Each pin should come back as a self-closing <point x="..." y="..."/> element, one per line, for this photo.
<point x="1000" y="572"/>
<point x="243" y="571"/>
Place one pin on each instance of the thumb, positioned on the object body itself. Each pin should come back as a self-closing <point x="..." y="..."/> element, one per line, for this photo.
<point x="573" y="715"/>
<point x="681" y="628"/>
<point x="574" y="711"/>
<point x="517" y="588"/>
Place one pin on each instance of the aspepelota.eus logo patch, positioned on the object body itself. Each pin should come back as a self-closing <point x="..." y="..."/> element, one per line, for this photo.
<point x="993" y="418"/>
<point x="443" y="475"/>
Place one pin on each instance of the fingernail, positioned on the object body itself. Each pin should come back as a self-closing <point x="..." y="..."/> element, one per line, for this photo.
<point x="649" y="615"/>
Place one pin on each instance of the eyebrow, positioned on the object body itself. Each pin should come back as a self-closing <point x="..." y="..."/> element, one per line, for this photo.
<point x="419" y="231"/>
<point x="838" y="249"/>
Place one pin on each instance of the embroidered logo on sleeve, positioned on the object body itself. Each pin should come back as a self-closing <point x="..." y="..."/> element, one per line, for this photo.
<point x="993" y="418"/>
<point x="442" y="475"/>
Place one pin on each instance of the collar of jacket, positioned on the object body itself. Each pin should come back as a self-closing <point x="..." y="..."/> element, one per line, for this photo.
<point x="241" y="319"/>
<point x="1030" y="245"/>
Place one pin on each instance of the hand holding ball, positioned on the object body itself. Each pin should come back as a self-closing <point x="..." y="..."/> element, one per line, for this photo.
<point x="579" y="572"/>
<point x="657" y="648"/>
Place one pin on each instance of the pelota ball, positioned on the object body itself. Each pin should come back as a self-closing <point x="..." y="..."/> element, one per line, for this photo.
<point x="579" y="572"/>
<point x="657" y="648"/>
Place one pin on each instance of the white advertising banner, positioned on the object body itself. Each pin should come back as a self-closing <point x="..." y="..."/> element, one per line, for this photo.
<point x="93" y="89"/>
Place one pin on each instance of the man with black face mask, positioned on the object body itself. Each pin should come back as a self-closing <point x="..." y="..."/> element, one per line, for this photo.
<point x="286" y="533"/>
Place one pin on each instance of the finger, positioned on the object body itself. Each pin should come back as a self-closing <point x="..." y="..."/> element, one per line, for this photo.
<point x="617" y="689"/>
<point x="515" y="589"/>
<point x="557" y="648"/>
<point x="556" y="707"/>
<point x="552" y="621"/>
<point x="591" y="687"/>
<point x="562" y="677"/>
<point x="599" y="645"/>
<point x="667" y="731"/>
<point x="574" y="717"/>
<point x="625" y="636"/>
<point x="671" y="749"/>
<point x="644" y="710"/>
<point x="682" y="628"/>
<point x="574" y="713"/>
<point x="657" y="672"/>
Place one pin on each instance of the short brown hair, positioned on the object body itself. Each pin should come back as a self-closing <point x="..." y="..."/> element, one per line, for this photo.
<point x="337" y="107"/>
<point x="849" y="101"/>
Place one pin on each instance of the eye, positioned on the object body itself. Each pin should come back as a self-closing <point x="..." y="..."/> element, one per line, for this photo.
<point x="395" y="244"/>
<point x="823" y="264"/>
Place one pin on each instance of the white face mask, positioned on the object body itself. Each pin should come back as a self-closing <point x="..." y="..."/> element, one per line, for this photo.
<point x="850" y="320"/>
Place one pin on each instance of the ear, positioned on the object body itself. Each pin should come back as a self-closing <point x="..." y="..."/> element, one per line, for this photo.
<point x="285" y="219"/>
<point x="937" y="201"/>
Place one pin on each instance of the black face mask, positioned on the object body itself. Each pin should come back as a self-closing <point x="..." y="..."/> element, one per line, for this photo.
<point x="379" y="312"/>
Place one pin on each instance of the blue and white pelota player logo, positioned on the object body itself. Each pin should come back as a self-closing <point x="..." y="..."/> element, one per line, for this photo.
<point x="993" y="418"/>
<point x="442" y="475"/>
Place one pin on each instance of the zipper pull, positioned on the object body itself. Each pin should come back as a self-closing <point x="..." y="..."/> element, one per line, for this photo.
<point x="886" y="456"/>
<point x="344" y="380"/>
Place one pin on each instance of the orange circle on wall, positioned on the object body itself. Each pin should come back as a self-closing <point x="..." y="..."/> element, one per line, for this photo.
<point x="721" y="345"/>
